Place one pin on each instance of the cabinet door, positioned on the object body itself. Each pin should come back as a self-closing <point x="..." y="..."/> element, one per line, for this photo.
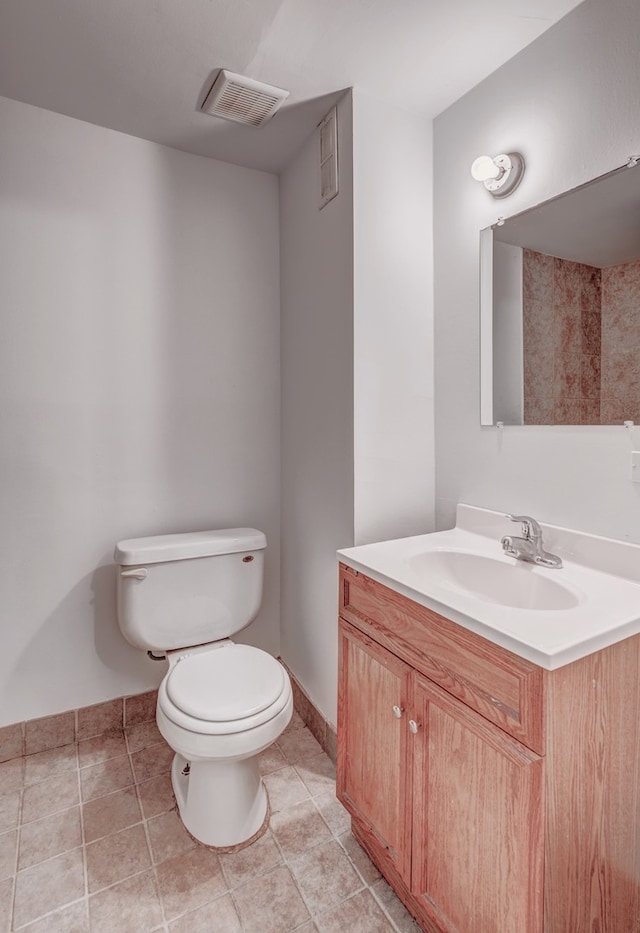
<point x="477" y="831"/>
<point x="372" y="771"/>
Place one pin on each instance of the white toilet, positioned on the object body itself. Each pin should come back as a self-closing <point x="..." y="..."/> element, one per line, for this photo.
<point x="220" y="704"/>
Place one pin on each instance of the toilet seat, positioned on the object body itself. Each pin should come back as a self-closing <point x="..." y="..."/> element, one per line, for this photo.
<point x="224" y="690"/>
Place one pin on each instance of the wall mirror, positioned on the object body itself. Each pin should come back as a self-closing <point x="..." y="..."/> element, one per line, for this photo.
<point x="560" y="308"/>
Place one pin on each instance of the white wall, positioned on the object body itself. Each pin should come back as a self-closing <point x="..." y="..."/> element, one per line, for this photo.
<point x="357" y="368"/>
<point x="507" y="333"/>
<point x="139" y="372"/>
<point x="393" y="322"/>
<point x="317" y="410"/>
<point x="570" y="103"/>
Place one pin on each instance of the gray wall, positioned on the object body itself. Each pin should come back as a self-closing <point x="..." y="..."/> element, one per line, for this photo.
<point x="317" y="409"/>
<point x="139" y="387"/>
<point x="570" y="103"/>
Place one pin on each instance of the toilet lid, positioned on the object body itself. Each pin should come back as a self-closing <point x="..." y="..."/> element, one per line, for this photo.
<point x="225" y="684"/>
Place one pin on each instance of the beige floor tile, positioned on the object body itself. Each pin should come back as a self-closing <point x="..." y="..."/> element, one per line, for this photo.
<point x="106" y="778"/>
<point x="298" y="828"/>
<point x="256" y="859"/>
<point x="9" y="810"/>
<point x="359" y="914"/>
<point x="299" y="745"/>
<point x="284" y="788"/>
<point x="44" y="765"/>
<point x="149" y="762"/>
<point x="168" y="837"/>
<point x="189" y="880"/>
<point x="318" y="774"/>
<point x="270" y="904"/>
<point x="333" y="813"/>
<point x="145" y="873"/>
<point x="156" y="795"/>
<point x="71" y="919"/>
<point x="133" y="906"/>
<point x="142" y="735"/>
<point x="402" y="919"/>
<point x="114" y="858"/>
<point x="110" y="814"/>
<point x="325" y="876"/>
<point x="296" y="722"/>
<point x="271" y="759"/>
<point x="8" y="853"/>
<point x="101" y="748"/>
<point x="12" y="775"/>
<point x="50" y="796"/>
<point x="219" y="916"/>
<point x="365" y="867"/>
<point x="48" y="886"/>
<point x="50" y="836"/>
<point x="6" y="902"/>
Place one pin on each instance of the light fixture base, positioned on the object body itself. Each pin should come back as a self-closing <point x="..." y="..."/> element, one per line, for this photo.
<point x="511" y="165"/>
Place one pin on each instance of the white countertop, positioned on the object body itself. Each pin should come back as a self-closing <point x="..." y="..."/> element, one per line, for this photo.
<point x="602" y="574"/>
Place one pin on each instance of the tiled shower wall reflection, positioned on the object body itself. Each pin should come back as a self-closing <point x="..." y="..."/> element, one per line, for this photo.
<point x="581" y="341"/>
<point x="562" y="340"/>
<point x="620" y="394"/>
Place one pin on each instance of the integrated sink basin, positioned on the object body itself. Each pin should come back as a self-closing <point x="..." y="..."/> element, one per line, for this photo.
<point x="550" y="615"/>
<point x="499" y="581"/>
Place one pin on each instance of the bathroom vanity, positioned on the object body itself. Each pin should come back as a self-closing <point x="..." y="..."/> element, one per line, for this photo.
<point x="489" y="754"/>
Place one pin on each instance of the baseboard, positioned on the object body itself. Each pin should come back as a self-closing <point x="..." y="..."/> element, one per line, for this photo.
<point x="41" y="735"/>
<point x="320" y="727"/>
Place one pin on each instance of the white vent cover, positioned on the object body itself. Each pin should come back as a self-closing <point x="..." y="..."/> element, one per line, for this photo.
<point x="243" y="100"/>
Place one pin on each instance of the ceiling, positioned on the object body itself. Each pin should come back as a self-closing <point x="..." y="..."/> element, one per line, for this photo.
<point x="144" y="66"/>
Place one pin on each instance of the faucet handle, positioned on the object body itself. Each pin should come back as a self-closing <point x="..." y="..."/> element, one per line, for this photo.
<point x="530" y="527"/>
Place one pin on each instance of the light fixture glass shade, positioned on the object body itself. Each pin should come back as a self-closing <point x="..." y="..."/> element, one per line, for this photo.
<point x="484" y="168"/>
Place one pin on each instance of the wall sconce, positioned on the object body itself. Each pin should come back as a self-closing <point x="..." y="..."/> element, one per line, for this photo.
<point x="500" y="175"/>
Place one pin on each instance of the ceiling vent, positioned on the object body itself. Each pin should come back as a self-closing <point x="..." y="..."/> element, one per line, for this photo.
<point x="243" y="100"/>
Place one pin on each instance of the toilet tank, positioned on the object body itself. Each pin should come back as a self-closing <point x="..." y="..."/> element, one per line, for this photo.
<point x="176" y="591"/>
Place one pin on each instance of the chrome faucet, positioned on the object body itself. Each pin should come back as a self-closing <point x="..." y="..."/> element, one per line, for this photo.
<point x="529" y="546"/>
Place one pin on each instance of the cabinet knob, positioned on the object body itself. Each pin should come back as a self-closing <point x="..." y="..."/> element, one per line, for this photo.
<point x="398" y="711"/>
<point x="414" y="726"/>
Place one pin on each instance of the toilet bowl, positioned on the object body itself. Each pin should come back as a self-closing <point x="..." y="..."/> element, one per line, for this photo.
<point x="220" y="703"/>
<point x="219" y="706"/>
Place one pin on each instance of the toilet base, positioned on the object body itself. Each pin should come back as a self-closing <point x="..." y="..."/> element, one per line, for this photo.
<point x="222" y="803"/>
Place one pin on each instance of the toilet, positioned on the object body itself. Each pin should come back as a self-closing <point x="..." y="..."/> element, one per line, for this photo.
<point x="220" y="704"/>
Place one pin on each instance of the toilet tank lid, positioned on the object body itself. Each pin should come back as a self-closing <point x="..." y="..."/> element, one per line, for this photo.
<point x="158" y="548"/>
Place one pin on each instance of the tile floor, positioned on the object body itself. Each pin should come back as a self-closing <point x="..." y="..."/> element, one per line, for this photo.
<point x="90" y="841"/>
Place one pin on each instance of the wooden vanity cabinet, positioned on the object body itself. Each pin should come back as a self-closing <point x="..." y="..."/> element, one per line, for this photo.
<point x="495" y="797"/>
<point x="375" y="784"/>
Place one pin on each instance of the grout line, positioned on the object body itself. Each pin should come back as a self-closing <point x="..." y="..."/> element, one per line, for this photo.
<point x="13" y="896"/>
<point x="285" y="861"/>
<point x="85" y="869"/>
<point x="17" y="852"/>
<point x="51" y="913"/>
